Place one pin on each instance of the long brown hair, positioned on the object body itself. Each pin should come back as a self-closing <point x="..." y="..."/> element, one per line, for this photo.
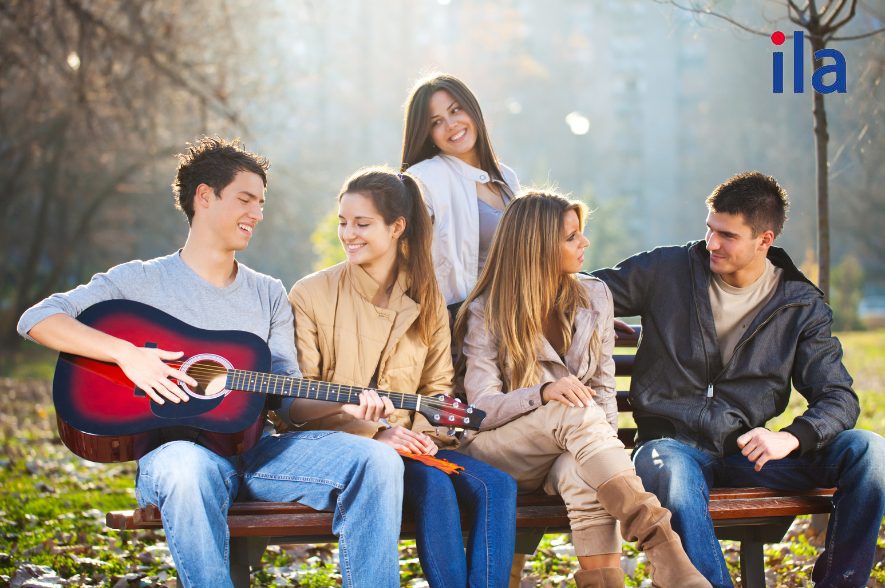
<point x="417" y="143"/>
<point x="524" y="284"/>
<point x="398" y="195"/>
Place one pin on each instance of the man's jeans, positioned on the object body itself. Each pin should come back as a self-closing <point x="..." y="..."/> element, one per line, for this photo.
<point x="359" y="478"/>
<point x="854" y="462"/>
<point x="487" y="496"/>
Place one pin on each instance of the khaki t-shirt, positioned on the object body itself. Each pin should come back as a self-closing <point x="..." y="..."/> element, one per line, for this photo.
<point x="735" y="308"/>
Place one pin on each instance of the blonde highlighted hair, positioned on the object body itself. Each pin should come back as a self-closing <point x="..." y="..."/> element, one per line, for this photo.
<point x="523" y="283"/>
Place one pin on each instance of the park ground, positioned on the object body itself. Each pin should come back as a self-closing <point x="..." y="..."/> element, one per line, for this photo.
<point x="52" y="505"/>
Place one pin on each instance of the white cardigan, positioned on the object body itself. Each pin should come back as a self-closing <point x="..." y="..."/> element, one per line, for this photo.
<point x="449" y="187"/>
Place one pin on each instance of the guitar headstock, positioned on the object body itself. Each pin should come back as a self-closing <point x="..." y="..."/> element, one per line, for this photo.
<point x="445" y="411"/>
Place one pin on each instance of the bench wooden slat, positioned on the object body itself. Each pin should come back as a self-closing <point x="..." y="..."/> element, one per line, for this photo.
<point x="770" y="507"/>
<point x="275" y="519"/>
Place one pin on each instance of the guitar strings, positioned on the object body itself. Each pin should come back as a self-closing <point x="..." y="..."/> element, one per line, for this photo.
<point x="219" y="370"/>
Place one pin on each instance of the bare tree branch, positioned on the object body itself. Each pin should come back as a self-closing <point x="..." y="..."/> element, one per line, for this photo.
<point x="828" y="22"/>
<point x="835" y="26"/>
<point x="37" y="45"/>
<point x="709" y="12"/>
<point x="860" y="36"/>
<point x="795" y="15"/>
<point x="153" y="53"/>
<point x="800" y="12"/>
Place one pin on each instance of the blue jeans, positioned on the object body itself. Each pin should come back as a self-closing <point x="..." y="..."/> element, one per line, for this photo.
<point x="488" y="496"/>
<point x="854" y="462"/>
<point x="359" y="478"/>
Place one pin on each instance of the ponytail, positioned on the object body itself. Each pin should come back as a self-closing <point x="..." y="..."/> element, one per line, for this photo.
<point x="398" y="195"/>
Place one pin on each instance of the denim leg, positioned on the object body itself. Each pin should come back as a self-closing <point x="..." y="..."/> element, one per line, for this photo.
<point x="430" y="497"/>
<point x="360" y="478"/>
<point x="193" y="487"/>
<point x="681" y="476"/>
<point x="853" y="462"/>
<point x="488" y="496"/>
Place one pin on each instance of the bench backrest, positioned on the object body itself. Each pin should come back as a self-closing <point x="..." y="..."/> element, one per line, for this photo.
<point x="625" y="349"/>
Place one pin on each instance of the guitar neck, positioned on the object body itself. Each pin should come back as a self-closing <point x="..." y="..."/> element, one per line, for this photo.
<point x="289" y="386"/>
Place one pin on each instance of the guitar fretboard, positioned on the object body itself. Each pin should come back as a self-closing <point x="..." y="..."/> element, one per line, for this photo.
<point x="279" y="385"/>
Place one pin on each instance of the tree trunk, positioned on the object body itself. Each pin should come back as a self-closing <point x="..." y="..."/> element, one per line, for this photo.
<point x="40" y="237"/>
<point x="821" y="143"/>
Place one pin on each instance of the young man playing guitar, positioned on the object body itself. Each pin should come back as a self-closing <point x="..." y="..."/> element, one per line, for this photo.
<point x="220" y="187"/>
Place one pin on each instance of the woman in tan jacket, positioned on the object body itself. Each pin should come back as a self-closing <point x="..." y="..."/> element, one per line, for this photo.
<point x="537" y="341"/>
<point x="378" y="320"/>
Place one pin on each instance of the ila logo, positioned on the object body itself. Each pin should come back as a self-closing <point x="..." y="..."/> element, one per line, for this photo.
<point x="817" y="78"/>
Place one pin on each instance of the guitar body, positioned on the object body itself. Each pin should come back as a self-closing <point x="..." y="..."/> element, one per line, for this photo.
<point x="103" y="417"/>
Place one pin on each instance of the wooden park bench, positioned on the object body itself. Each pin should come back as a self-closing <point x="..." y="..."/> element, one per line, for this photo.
<point x="753" y="516"/>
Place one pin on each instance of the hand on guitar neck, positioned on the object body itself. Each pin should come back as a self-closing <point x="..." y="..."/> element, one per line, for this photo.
<point x="372" y="406"/>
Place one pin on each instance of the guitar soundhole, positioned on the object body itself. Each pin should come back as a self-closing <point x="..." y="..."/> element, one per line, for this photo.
<point x="210" y="376"/>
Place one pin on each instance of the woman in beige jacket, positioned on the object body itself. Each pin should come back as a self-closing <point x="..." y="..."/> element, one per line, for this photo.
<point x="537" y="341"/>
<point x="378" y="320"/>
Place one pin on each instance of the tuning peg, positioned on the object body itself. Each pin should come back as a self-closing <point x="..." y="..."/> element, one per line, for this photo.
<point x="436" y="417"/>
<point x="451" y="432"/>
<point x="451" y="418"/>
<point x="470" y="409"/>
<point x="466" y="420"/>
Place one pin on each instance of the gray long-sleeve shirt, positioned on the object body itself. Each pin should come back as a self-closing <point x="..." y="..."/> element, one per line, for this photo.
<point x="254" y="302"/>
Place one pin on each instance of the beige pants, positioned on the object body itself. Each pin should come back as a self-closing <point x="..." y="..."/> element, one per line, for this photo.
<point x="565" y="451"/>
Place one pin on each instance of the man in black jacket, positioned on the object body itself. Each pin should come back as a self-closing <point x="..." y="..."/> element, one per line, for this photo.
<point x="729" y="326"/>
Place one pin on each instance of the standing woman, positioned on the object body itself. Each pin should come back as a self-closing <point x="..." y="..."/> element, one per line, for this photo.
<point x="378" y="320"/>
<point x="446" y="146"/>
<point x="537" y="341"/>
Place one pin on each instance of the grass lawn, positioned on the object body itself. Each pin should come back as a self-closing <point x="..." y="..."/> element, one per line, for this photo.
<point x="52" y="503"/>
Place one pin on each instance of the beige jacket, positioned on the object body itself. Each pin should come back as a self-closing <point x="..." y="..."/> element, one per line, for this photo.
<point x="342" y="337"/>
<point x="485" y="387"/>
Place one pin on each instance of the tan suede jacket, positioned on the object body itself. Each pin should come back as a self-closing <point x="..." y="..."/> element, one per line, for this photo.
<point x="486" y="389"/>
<point x="342" y="337"/>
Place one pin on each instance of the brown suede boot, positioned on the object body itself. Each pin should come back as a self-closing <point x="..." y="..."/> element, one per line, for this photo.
<point x="600" y="578"/>
<point x="645" y="521"/>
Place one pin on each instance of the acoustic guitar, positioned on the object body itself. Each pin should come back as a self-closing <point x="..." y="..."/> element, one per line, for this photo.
<point x="102" y="416"/>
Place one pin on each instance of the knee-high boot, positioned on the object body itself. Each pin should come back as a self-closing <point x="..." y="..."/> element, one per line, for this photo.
<point x="645" y="521"/>
<point x="600" y="578"/>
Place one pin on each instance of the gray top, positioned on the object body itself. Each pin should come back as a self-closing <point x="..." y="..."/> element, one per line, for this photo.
<point x="254" y="302"/>
<point x="489" y="216"/>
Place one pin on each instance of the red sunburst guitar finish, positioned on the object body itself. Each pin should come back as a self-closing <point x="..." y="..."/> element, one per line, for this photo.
<point x="103" y="417"/>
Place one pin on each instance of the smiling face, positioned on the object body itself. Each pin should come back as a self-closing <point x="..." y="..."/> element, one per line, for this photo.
<point x="735" y="254"/>
<point x="573" y="243"/>
<point x="232" y="215"/>
<point x="451" y="128"/>
<point x="368" y="241"/>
